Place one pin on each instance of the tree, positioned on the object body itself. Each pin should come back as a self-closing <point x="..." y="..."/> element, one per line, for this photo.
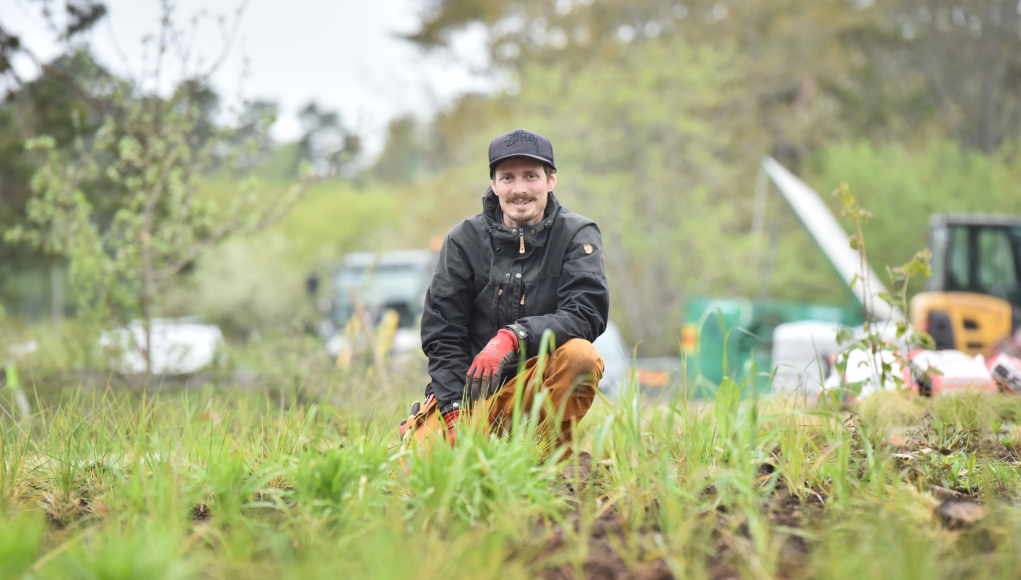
<point x="153" y="154"/>
<point x="79" y="16"/>
<point x="894" y="66"/>
<point x="326" y="144"/>
<point x="969" y="53"/>
<point x="252" y="133"/>
<point x="42" y="105"/>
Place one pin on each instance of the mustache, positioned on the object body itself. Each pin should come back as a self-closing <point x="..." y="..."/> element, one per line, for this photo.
<point x="518" y="198"/>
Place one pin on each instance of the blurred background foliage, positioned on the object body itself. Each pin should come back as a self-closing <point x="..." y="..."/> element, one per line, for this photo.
<point x="659" y="112"/>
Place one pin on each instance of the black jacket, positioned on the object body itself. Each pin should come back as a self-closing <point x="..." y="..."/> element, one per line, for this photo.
<point x="482" y="283"/>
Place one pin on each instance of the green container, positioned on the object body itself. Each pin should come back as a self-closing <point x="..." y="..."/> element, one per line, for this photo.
<point x="734" y="337"/>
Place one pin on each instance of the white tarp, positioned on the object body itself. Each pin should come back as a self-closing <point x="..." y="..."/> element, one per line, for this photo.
<point x="178" y="346"/>
<point x="801" y="353"/>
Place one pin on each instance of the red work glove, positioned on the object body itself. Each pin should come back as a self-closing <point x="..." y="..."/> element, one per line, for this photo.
<point x="450" y="419"/>
<point x="489" y="364"/>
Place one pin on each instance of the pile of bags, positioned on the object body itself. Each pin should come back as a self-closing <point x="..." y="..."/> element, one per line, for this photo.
<point x="932" y="372"/>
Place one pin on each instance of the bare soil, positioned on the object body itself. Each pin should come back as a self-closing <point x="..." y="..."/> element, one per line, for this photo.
<point x="602" y="561"/>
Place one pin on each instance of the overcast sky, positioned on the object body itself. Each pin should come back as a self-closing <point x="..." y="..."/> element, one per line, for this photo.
<point x="344" y="54"/>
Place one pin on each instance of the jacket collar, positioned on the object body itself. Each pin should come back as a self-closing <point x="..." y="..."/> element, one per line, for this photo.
<point x="494" y="215"/>
<point x="506" y="239"/>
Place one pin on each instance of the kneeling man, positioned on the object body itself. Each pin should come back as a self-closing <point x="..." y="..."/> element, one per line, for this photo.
<point x="525" y="265"/>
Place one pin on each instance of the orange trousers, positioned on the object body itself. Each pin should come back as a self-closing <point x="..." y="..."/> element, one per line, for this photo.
<point x="570" y="379"/>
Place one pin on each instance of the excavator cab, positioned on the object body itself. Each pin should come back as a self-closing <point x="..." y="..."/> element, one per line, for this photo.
<point x="973" y="298"/>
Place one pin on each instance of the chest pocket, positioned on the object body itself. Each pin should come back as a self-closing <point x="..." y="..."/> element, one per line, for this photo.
<point x="487" y="294"/>
<point x="540" y="297"/>
<point x="541" y="284"/>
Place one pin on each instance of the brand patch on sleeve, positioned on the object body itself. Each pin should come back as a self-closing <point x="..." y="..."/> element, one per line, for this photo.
<point x="587" y="248"/>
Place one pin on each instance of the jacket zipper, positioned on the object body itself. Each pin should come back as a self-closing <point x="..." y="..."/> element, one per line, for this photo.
<point x="521" y="232"/>
<point x="522" y="299"/>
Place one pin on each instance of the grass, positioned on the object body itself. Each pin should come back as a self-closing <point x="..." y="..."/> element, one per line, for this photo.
<point x="113" y="483"/>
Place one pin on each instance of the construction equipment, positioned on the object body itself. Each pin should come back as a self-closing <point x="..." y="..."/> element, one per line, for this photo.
<point x="384" y="290"/>
<point x="973" y="298"/>
<point x="972" y="302"/>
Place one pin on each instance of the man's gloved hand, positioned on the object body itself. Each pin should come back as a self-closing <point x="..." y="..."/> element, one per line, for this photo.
<point x="415" y="408"/>
<point x="489" y="364"/>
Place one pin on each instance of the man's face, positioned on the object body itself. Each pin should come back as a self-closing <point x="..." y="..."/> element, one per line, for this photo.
<point x="521" y="184"/>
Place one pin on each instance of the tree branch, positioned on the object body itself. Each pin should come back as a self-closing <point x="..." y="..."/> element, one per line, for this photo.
<point x="267" y="217"/>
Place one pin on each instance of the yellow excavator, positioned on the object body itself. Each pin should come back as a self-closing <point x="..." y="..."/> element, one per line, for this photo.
<point x="973" y="298"/>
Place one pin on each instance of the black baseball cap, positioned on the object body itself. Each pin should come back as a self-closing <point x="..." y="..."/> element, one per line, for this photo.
<point x="520" y="143"/>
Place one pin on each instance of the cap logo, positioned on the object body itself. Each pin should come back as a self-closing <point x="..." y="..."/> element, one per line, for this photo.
<point x="520" y="135"/>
